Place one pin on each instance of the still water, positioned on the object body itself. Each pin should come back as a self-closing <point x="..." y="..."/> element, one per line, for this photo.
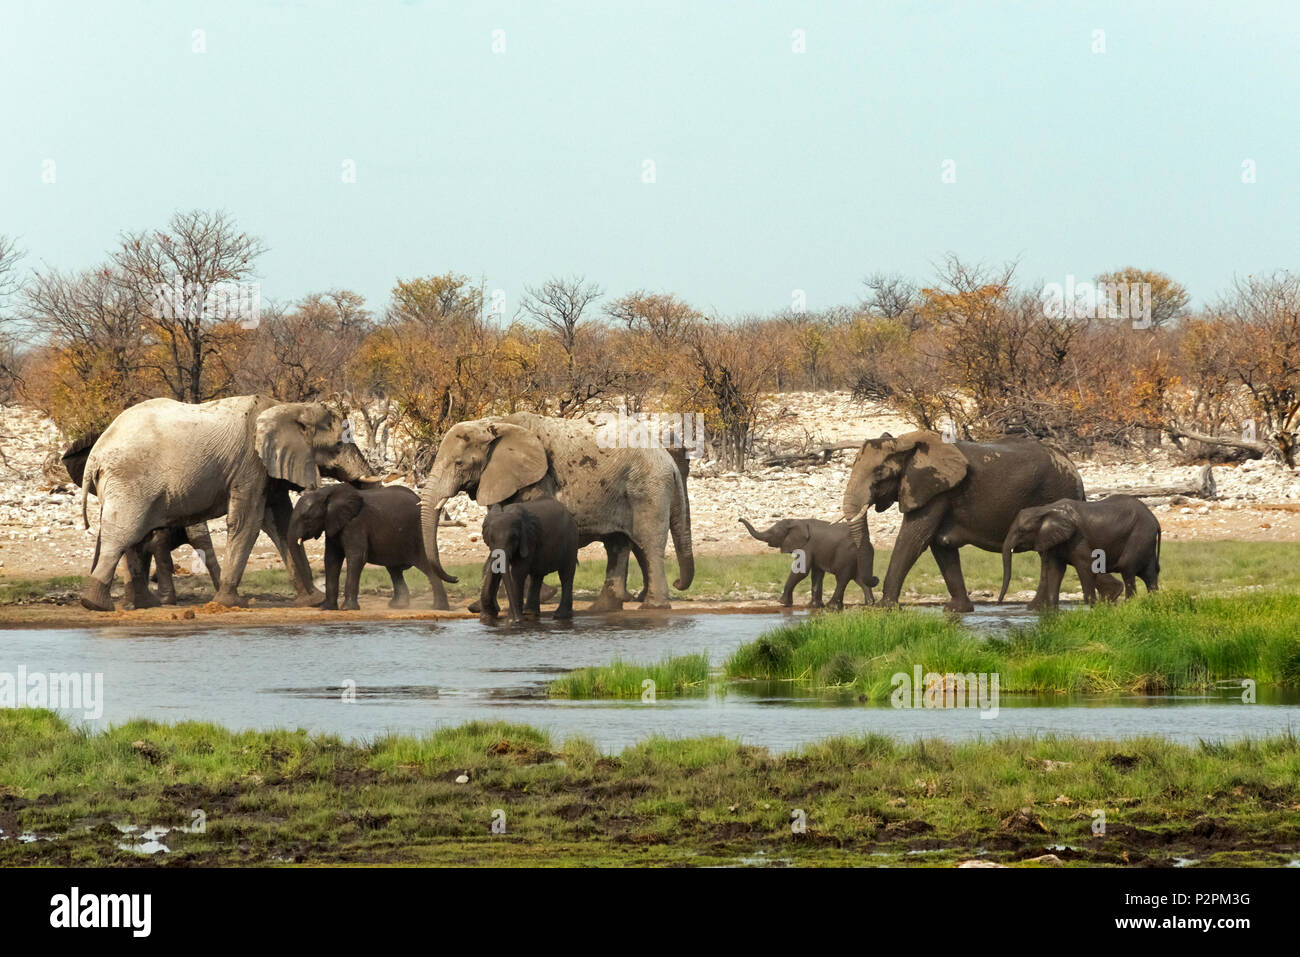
<point x="412" y="677"/>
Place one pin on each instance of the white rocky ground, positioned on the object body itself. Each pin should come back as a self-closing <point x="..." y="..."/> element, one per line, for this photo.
<point x="41" y="533"/>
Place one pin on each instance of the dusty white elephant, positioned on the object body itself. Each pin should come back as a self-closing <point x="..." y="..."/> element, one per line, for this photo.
<point x="164" y="463"/>
<point x="633" y="496"/>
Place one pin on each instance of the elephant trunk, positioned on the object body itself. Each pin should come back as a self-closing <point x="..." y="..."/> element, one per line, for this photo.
<point x="432" y="498"/>
<point x="858" y="528"/>
<point x="349" y="465"/>
<point x="679" y="524"/>
<point x="1008" y="545"/>
<point x="765" y="537"/>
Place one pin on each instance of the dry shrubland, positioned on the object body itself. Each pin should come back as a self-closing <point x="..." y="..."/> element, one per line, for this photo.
<point x="971" y="350"/>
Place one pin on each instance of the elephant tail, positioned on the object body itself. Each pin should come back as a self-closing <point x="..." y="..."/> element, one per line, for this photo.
<point x="1158" y="535"/>
<point x="679" y="524"/>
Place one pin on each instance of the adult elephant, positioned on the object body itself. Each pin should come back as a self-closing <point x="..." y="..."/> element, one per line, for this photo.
<point x="635" y="496"/>
<point x="952" y="494"/>
<point x="163" y="463"/>
<point x="156" y="547"/>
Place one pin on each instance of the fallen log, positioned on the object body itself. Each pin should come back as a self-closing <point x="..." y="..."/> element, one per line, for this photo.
<point x="1202" y="487"/>
<point x="818" y="456"/>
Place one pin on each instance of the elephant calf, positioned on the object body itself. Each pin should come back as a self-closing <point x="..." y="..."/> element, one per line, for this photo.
<point x="821" y="547"/>
<point x="528" y="541"/>
<point x="1116" y="534"/>
<point x="376" y="526"/>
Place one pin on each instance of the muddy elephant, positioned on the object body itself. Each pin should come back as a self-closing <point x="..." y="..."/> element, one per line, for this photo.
<point x="615" y="494"/>
<point x="368" y="525"/>
<point x="1117" y="534"/>
<point x="528" y="541"/>
<point x="952" y="494"/>
<point x="156" y="547"/>
<point x="823" y="547"/>
<point x="164" y="463"/>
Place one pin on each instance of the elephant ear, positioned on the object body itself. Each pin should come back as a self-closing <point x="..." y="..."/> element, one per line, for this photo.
<point x="344" y="505"/>
<point x="934" y="467"/>
<point x="1055" y="529"/>
<point x="797" y="537"/>
<point x="283" y="443"/>
<point x="515" y="460"/>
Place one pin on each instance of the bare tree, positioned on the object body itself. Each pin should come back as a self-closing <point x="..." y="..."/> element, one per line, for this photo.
<point x="891" y="296"/>
<point x="10" y="284"/>
<point x="184" y="270"/>
<point x="558" y="304"/>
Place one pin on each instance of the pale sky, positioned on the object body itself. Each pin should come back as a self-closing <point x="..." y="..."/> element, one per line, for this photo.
<point x="774" y="170"/>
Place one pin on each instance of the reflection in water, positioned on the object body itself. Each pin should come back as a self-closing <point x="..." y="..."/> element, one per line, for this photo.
<point x="362" y="680"/>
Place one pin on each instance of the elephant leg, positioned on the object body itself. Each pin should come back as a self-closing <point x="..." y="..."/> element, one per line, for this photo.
<point x="333" y="567"/>
<point x="837" y="597"/>
<point x="818" y="576"/>
<point x="567" y="569"/>
<point x="914" y="537"/>
<point x="787" y="593"/>
<point x="199" y="539"/>
<point x="162" y="557"/>
<point x="650" y="536"/>
<point x="515" y="592"/>
<point x="477" y="606"/>
<point x="120" y="527"/>
<point x="1130" y="584"/>
<point x="356" y="563"/>
<point x="138" y="594"/>
<point x="948" y="559"/>
<point x="275" y="522"/>
<point x="401" y="594"/>
<point x="1049" y="584"/>
<point x="488" y="608"/>
<point x="244" y="518"/>
<point x="533" y="604"/>
<point x="617" y="551"/>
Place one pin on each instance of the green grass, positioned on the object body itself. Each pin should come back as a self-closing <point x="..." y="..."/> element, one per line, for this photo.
<point x="686" y="674"/>
<point x="1158" y="644"/>
<point x="16" y="590"/>
<point x="287" y="796"/>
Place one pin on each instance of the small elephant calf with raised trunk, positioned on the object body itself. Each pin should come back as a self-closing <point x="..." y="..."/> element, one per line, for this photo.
<point x="371" y="525"/>
<point x="821" y="547"/>
<point x="1117" y="534"/>
<point x="528" y="541"/>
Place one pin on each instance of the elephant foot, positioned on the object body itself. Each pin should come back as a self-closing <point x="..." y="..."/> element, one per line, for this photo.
<point x="404" y="602"/>
<point x="607" y="600"/>
<point x="350" y="606"/>
<point x="95" y="597"/>
<point x="487" y="618"/>
<point x="958" y="605"/>
<point x="1041" y="605"/>
<point x="836" y="606"/>
<point x="306" y="599"/>
<point x="786" y="601"/>
<point x="230" y="598"/>
<point x="562" y="613"/>
<point x="329" y="606"/>
<point x="167" y="599"/>
<point x="816" y="604"/>
<point x="654" y="604"/>
<point x="474" y="607"/>
<point x="887" y="603"/>
<point x="142" y="598"/>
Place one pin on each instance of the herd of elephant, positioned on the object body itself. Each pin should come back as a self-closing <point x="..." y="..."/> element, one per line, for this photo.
<point x="163" y="469"/>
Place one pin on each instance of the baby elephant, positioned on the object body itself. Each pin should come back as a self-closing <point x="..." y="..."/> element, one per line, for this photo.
<point x="372" y="525"/>
<point x="1116" y="534"/>
<point x="528" y="540"/>
<point x="821" y="547"/>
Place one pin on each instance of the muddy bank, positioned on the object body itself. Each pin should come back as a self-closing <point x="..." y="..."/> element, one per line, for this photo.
<point x="272" y="613"/>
